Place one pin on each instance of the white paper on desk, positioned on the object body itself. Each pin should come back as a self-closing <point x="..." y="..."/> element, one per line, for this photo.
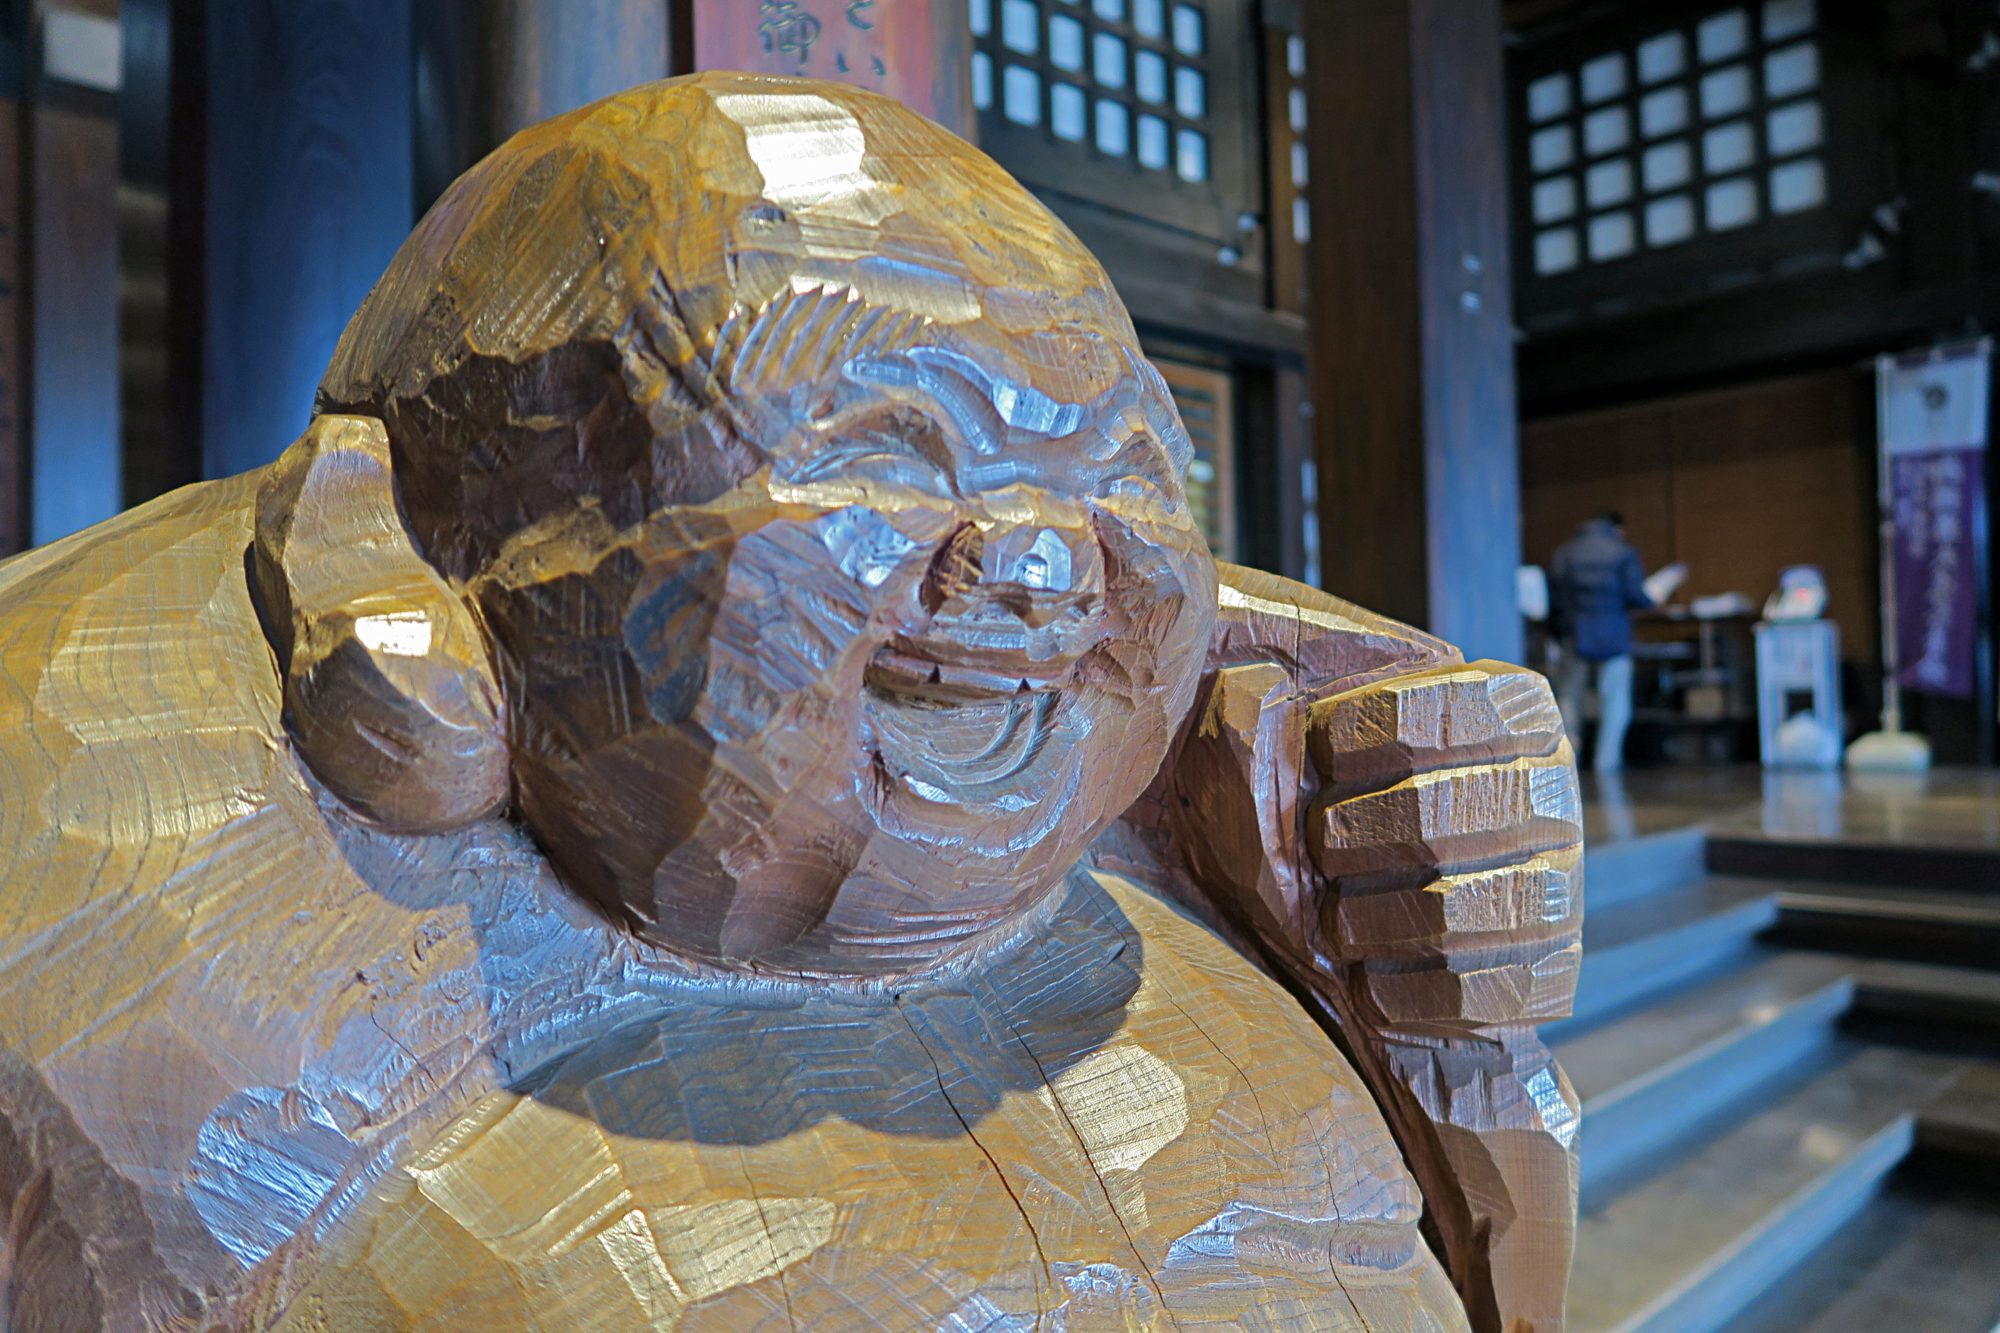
<point x="1664" y="582"/>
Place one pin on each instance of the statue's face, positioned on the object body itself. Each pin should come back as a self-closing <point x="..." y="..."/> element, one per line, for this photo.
<point x="824" y="518"/>
<point x="878" y="697"/>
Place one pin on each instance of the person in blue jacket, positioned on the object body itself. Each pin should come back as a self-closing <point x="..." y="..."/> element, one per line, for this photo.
<point x="1595" y="583"/>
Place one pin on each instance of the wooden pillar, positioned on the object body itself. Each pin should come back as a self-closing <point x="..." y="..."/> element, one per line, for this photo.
<point x="486" y="68"/>
<point x="306" y="195"/>
<point x="916" y="51"/>
<point x="72" y="260"/>
<point x="1411" y="354"/>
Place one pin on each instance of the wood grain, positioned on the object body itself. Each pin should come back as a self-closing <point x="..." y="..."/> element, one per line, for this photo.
<point x="591" y="835"/>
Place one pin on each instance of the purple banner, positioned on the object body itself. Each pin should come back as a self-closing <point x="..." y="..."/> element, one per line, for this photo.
<point x="1937" y="493"/>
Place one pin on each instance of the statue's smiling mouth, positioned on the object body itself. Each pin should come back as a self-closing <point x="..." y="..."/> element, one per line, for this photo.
<point x="944" y="680"/>
<point x="973" y="730"/>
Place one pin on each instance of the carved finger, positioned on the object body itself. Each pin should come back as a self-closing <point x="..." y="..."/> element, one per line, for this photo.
<point x="1450" y="831"/>
<point x="1481" y="712"/>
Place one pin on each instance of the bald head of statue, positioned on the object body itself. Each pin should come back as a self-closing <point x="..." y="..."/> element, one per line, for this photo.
<point x="823" y="521"/>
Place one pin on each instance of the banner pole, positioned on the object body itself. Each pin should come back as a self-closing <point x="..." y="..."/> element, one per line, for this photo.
<point x="1885" y="529"/>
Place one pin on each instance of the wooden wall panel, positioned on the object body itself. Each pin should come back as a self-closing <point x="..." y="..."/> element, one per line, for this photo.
<point x="916" y="51"/>
<point x="1738" y="483"/>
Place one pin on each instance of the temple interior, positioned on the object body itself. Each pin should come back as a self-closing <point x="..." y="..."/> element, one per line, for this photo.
<point x="1452" y="297"/>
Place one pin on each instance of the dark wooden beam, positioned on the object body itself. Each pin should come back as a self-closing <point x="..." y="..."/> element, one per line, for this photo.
<point x="307" y="185"/>
<point x="1412" y="367"/>
<point x="486" y="68"/>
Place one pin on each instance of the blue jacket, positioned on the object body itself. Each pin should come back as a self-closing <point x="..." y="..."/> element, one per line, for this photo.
<point x="1595" y="583"/>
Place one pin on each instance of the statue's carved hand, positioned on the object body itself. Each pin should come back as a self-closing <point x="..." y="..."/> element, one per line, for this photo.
<point x="1397" y="834"/>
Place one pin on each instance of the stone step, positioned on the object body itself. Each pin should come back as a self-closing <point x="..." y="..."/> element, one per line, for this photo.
<point x="1963" y="1124"/>
<point x="1650" y="1076"/>
<point x="1656" y="943"/>
<point x="1919" y="1258"/>
<point x="1688" y="1247"/>
<point x="1625" y="869"/>
<point x="1856" y="860"/>
<point x="1924" y="998"/>
<point x="1936" y="925"/>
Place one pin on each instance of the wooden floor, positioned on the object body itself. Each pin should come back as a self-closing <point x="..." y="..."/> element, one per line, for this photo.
<point x="1787" y="1043"/>
<point x="1956" y="808"/>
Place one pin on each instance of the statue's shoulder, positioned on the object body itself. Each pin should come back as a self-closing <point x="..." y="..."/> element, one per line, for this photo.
<point x="137" y="696"/>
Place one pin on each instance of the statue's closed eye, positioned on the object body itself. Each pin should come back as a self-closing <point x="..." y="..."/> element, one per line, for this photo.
<point x="897" y="445"/>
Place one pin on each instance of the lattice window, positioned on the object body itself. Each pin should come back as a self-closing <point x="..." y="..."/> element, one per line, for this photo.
<point x="1127" y="80"/>
<point x="1702" y="129"/>
<point x="1139" y="107"/>
<point x="1284" y="58"/>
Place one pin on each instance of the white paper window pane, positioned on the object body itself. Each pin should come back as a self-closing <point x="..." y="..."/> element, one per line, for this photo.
<point x="1021" y="95"/>
<point x="1302" y="230"/>
<point x="981" y="13"/>
<point x="1149" y="76"/>
<point x="1792" y="70"/>
<point x="1663" y="112"/>
<point x="1550" y="148"/>
<point x="1065" y="42"/>
<point x="1191" y="155"/>
<point x="1669" y="220"/>
<point x="1295" y="57"/>
<point x="1611" y="236"/>
<point x="1727" y="148"/>
<point x="1066" y="112"/>
<point x="1786" y="18"/>
<point x="982" y="80"/>
<point x="1608" y="182"/>
<point x="1153" y="142"/>
<point x="1798" y="185"/>
<point x="1296" y="103"/>
<point x="1731" y="203"/>
<point x="1792" y="128"/>
<point x="1604" y="77"/>
<point x="1190" y="93"/>
<point x="1020" y="26"/>
<point x="1114" y="10"/>
<point x="1555" y="251"/>
<point x="1189" y="37"/>
<point x="1662" y="57"/>
<point x="1605" y="131"/>
<point x="1149" y="17"/>
<point x="1107" y="62"/>
<point x="1667" y="165"/>
<point x="1300" y="173"/>
<point x="1554" y="198"/>
<point x="1114" y="129"/>
<point x="1548" y="97"/>
<point x="1725" y="92"/>
<point x="1725" y="35"/>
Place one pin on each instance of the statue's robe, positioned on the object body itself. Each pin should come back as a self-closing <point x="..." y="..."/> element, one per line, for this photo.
<point x="262" y="1066"/>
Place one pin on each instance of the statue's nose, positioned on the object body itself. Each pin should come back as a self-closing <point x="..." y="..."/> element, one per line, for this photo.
<point x="1037" y="571"/>
<point x="1038" y="559"/>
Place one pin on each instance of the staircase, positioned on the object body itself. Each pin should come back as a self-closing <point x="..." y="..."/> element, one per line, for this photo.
<point x="1791" y="1089"/>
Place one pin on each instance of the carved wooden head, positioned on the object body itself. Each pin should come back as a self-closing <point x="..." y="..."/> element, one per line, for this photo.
<point x="825" y="521"/>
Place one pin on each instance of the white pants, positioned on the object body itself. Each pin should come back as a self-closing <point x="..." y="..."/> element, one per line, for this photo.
<point x="1613" y="680"/>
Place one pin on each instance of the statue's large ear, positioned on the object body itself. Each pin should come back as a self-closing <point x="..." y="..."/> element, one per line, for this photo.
<point x="390" y="694"/>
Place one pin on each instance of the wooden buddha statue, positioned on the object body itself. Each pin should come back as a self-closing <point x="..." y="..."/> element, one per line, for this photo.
<point x="718" y="786"/>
